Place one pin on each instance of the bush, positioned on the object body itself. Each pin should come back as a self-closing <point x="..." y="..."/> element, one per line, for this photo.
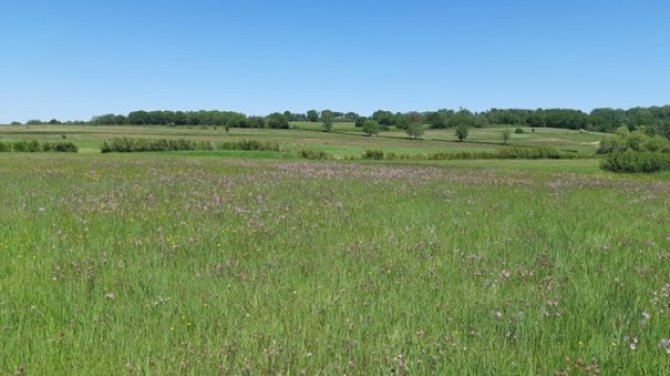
<point x="461" y="132"/>
<point x="373" y="154"/>
<point x="23" y="146"/>
<point x="128" y="145"/>
<point x="65" y="147"/>
<point x="518" y="131"/>
<point x="414" y="130"/>
<point x="370" y="127"/>
<point x="249" y="145"/>
<point x="632" y="162"/>
<point x="623" y="141"/>
<point x="542" y="152"/>
<point x="26" y="146"/>
<point x="311" y="154"/>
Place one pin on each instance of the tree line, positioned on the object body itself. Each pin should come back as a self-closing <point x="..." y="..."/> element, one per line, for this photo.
<point x="655" y="119"/>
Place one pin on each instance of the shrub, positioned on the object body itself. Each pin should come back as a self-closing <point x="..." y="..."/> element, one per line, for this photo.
<point x="249" y="145"/>
<point x="65" y="147"/>
<point x="370" y="127"/>
<point x="623" y="141"/>
<point x="128" y="145"/>
<point x="311" y="154"/>
<point x="34" y="146"/>
<point x="373" y="154"/>
<point x="415" y="130"/>
<point x="542" y="152"/>
<point x="461" y="132"/>
<point x="26" y="146"/>
<point x="518" y="131"/>
<point x="632" y="162"/>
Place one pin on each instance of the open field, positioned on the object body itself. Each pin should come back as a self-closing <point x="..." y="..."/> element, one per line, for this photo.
<point x="184" y="264"/>
<point x="345" y="140"/>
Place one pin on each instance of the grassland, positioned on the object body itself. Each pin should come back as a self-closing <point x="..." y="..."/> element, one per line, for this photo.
<point x="260" y="263"/>
<point x="180" y="264"/>
<point x="345" y="140"/>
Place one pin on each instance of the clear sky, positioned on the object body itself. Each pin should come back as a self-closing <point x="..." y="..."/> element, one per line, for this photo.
<point x="73" y="59"/>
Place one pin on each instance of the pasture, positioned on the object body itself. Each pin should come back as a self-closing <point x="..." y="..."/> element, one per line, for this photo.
<point x="345" y="140"/>
<point x="262" y="263"/>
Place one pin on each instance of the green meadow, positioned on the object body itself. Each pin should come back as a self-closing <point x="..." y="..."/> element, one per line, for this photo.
<point x="344" y="140"/>
<point x="234" y="262"/>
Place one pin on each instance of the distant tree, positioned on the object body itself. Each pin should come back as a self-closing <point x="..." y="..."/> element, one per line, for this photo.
<point x="54" y="122"/>
<point x="327" y="120"/>
<point x="414" y="117"/>
<point x="313" y="116"/>
<point x="462" y="132"/>
<point x="481" y="121"/>
<point x="180" y="118"/>
<point x="359" y="121"/>
<point x="506" y="135"/>
<point x="256" y="122"/>
<point x="278" y="121"/>
<point x="351" y="116"/>
<point x="415" y="130"/>
<point x="16" y="123"/>
<point x="138" y="117"/>
<point x="436" y="120"/>
<point x="34" y="122"/>
<point x="370" y="127"/>
<point x="400" y="121"/>
<point x="383" y="117"/>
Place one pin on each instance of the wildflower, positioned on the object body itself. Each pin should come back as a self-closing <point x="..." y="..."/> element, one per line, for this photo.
<point x="632" y="342"/>
<point x="109" y="296"/>
<point x="664" y="344"/>
<point x="496" y="314"/>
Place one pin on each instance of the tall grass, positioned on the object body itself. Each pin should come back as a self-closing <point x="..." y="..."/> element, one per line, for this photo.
<point x="145" y="265"/>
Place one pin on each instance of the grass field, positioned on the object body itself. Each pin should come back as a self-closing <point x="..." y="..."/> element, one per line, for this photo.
<point x="234" y="262"/>
<point x="184" y="264"/>
<point x="345" y="140"/>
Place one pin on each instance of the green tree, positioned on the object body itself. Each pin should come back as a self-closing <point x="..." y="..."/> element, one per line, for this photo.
<point x="383" y="117"/>
<point x="327" y="120"/>
<point x="313" y="116"/>
<point x="415" y="130"/>
<point x="462" y="132"/>
<point x="370" y="127"/>
<point x="506" y="135"/>
<point x="277" y="120"/>
<point x="256" y="122"/>
<point x="400" y="121"/>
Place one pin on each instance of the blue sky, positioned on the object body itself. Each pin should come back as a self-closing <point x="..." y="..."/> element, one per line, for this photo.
<point x="75" y="59"/>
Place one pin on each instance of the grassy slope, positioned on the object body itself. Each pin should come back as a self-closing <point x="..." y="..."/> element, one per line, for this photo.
<point x="345" y="140"/>
<point x="179" y="264"/>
